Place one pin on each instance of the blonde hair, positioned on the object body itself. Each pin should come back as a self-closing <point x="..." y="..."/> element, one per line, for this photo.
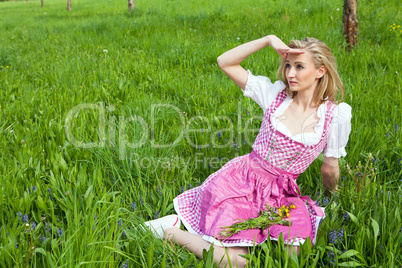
<point x="329" y="85"/>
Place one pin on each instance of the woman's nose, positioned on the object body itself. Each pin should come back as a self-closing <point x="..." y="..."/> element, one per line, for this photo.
<point x="291" y="72"/>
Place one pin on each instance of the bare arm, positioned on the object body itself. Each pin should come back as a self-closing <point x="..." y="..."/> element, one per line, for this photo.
<point x="230" y="61"/>
<point x="330" y="173"/>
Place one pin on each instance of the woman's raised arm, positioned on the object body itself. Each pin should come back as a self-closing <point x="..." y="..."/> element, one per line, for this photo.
<point x="230" y="61"/>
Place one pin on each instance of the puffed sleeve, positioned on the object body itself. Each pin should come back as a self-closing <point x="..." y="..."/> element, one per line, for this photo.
<point x="261" y="90"/>
<point x="338" y="135"/>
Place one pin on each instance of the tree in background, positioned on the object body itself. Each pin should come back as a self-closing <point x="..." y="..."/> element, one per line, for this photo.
<point x="69" y="5"/>
<point x="350" y="22"/>
<point x="131" y="5"/>
<point x="41" y="3"/>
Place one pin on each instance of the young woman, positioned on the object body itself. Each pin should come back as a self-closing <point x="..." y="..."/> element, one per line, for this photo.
<point x="300" y="121"/>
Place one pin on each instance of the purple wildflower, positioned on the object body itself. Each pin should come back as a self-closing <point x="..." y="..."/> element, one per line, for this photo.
<point x="345" y="217"/>
<point x="25" y="218"/>
<point x="19" y="215"/>
<point x="325" y="201"/>
<point x="157" y="214"/>
<point x="341" y="235"/>
<point x="133" y="206"/>
<point x="60" y="231"/>
<point x="331" y="256"/>
<point x="46" y="228"/>
<point x="219" y="134"/>
<point x="33" y="224"/>
<point x="332" y="236"/>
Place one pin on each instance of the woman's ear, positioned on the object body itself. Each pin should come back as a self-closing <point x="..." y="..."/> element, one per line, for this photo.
<point x="321" y="71"/>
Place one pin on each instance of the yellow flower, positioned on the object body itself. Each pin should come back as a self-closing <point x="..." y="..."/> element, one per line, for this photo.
<point x="6" y="66"/>
<point x="280" y="210"/>
<point x="287" y="215"/>
<point x="393" y="28"/>
<point x="292" y="206"/>
<point x="287" y="210"/>
<point x="282" y="207"/>
<point x="399" y="26"/>
<point x="280" y="214"/>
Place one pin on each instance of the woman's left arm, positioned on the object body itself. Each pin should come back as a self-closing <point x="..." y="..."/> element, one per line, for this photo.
<point x="330" y="173"/>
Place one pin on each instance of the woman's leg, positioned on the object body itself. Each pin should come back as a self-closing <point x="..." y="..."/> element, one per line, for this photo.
<point x="196" y="244"/>
<point x="291" y="248"/>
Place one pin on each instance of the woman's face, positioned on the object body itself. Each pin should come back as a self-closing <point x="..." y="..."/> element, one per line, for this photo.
<point x="301" y="73"/>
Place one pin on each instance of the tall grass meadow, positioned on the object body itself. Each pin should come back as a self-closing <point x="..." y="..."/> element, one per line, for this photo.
<point x="106" y="116"/>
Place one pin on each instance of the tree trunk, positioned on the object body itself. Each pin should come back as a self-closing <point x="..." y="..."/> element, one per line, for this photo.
<point x="131" y="5"/>
<point x="350" y="22"/>
<point x="27" y="2"/>
<point x="41" y="3"/>
<point x="69" y="5"/>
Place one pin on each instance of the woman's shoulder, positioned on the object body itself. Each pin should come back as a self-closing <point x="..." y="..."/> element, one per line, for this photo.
<point x="262" y="90"/>
<point x="342" y="112"/>
<point x="260" y="81"/>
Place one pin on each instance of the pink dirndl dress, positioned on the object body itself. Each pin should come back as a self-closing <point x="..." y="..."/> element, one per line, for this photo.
<point x="246" y="184"/>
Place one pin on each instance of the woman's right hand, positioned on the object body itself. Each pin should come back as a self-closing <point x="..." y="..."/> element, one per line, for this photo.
<point x="230" y="61"/>
<point x="281" y="48"/>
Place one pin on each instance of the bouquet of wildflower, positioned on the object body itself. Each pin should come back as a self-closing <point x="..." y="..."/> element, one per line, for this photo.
<point x="268" y="217"/>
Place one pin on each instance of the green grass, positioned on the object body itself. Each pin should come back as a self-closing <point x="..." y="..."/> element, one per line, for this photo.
<point x="159" y="78"/>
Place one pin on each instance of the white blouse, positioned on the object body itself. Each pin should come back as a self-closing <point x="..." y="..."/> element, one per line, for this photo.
<point x="263" y="92"/>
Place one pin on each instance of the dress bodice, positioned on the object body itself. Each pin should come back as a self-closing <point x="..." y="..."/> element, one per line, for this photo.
<point x="281" y="150"/>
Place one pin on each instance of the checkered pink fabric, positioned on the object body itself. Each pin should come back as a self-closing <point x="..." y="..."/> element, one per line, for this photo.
<point x="313" y="215"/>
<point x="282" y="151"/>
<point x="277" y="149"/>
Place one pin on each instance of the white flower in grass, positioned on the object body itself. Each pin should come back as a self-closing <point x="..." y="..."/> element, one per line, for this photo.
<point x="105" y="51"/>
<point x="238" y="38"/>
<point x="305" y="10"/>
<point x="337" y="9"/>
